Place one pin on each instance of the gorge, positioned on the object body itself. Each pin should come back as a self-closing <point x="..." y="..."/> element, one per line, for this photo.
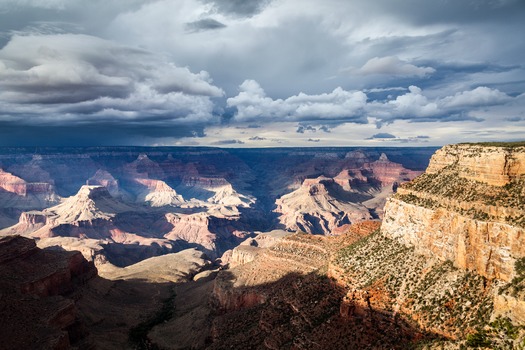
<point x="271" y="248"/>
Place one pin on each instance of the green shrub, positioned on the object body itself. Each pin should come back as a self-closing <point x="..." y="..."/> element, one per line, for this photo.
<point x="478" y="340"/>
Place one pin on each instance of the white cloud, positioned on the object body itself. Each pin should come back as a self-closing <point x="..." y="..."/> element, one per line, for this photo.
<point x="392" y="65"/>
<point x="252" y="103"/>
<point x="480" y="96"/>
<point x="85" y="75"/>
<point x="412" y="105"/>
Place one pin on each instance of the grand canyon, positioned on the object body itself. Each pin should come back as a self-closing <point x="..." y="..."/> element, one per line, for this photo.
<point x="286" y="248"/>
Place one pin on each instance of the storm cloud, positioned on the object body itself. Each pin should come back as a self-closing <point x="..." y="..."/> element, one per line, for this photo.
<point x="72" y="79"/>
<point x="168" y="71"/>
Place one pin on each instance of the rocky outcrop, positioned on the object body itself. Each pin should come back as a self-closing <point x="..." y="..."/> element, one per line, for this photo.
<point x="213" y="234"/>
<point x="157" y="193"/>
<point x="17" y="193"/>
<point x="487" y="247"/>
<point x="320" y="206"/>
<point x="465" y="209"/>
<point x="174" y="267"/>
<point x="13" y="184"/>
<point x="90" y="203"/>
<point x="243" y="254"/>
<point x="388" y="173"/>
<point x="104" y="178"/>
<point x="357" y="193"/>
<point x="492" y="165"/>
<point x="213" y="190"/>
<point x="144" y="167"/>
<point x="510" y="306"/>
<point x="35" y="283"/>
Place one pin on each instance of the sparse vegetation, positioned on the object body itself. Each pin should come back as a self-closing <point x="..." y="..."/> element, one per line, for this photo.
<point x="496" y="144"/>
<point x="451" y="191"/>
<point x="478" y="340"/>
<point x="441" y="296"/>
<point x="517" y="285"/>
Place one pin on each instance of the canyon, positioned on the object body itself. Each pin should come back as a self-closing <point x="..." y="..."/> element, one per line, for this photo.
<point x="122" y="205"/>
<point x="316" y="248"/>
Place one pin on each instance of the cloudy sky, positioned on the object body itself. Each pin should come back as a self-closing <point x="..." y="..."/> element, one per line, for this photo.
<point x="261" y="73"/>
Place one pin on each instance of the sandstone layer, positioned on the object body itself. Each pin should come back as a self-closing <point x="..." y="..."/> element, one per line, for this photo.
<point x="466" y="208"/>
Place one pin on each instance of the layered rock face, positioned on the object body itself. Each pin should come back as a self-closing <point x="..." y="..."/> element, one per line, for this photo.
<point x="11" y="183"/>
<point x="355" y="194"/>
<point x="157" y="193"/>
<point x="467" y="208"/>
<point x="495" y="166"/>
<point x="104" y="178"/>
<point x="319" y="206"/>
<point x="16" y="193"/>
<point x="282" y="299"/>
<point x="36" y="312"/>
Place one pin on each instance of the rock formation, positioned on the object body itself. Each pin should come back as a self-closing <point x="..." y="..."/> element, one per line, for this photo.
<point x="35" y="284"/>
<point x="157" y="193"/>
<point x="465" y="208"/>
<point x="319" y="206"/>
<point x="93" y="215"/>
<point x="213" y="190"/>
<point x="16" y="193"/>
<point x="355" y="194"/>
<point x="104" y="178"/>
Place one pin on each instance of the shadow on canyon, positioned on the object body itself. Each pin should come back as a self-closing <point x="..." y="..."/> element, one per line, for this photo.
<point x="296" y="311"/>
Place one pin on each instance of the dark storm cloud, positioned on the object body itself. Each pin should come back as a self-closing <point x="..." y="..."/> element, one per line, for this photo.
<point x="382" y="135"/>
<point x="204" y="24"/>
<point x="86" y="68"/>
<point x="66" y="80"/>
<point x="302" y="128"/>
<point x="387" y="137"/>
<point x="257" y="138"/>
<point x="245" y="8"/>
<point x="313" y="140"/>
<point x="227" y="142"/>
<point x="109" y="133"/>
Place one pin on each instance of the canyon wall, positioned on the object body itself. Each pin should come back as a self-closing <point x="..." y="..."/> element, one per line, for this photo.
<point x="38" y="310"/>
<point x="467" y="208"/>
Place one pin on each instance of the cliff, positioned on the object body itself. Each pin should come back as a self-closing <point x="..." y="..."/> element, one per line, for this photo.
<point x="492" y="165"/>
<point x="466" y="208"/>
<point x="35" y="285"/>
<point x="15" y="192"/>
<point x="357" y="193"/>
